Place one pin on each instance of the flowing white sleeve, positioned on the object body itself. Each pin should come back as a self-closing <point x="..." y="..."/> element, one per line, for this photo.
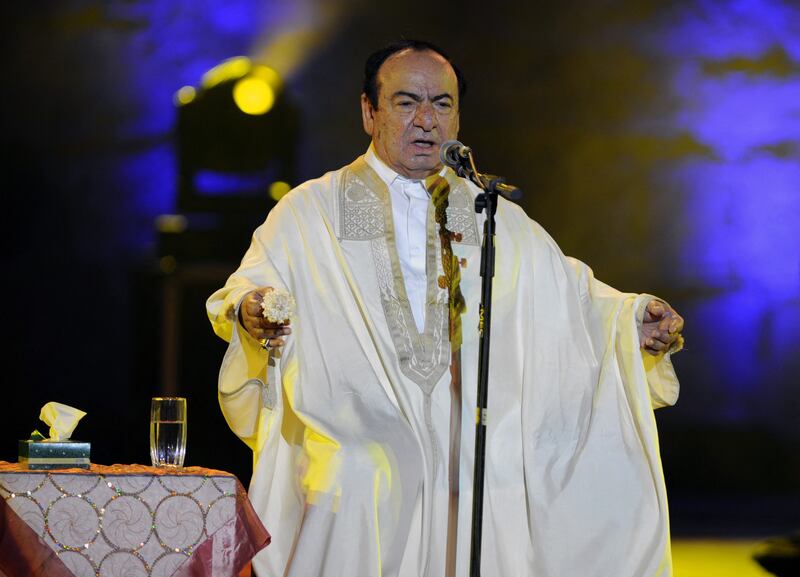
<point x="249" y="379"/>
<point x="606" y="302"/>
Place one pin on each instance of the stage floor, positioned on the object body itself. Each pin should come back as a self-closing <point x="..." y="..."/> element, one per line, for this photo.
<point x="716" y="558"/>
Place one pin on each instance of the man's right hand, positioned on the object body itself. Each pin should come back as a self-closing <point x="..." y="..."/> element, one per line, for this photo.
<point x="251" y="317"/>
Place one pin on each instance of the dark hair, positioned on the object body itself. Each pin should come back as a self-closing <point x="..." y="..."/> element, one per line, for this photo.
<point x="377" y="58"/>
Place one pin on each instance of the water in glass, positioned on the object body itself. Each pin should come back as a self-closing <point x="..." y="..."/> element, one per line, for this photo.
<point x="168" y="431"/>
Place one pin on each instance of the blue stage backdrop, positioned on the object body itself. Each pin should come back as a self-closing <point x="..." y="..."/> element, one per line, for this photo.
<point x="660" y="142"/>
<point x="736" y="82"/>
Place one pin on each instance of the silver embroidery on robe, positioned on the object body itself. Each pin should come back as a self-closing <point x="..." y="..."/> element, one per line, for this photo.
<point x="360" y="210"/>
<point x="365" y="214"/>
<point x="423" y="357"/>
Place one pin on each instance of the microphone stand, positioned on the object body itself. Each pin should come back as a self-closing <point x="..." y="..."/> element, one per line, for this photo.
<point x="492" y="186"/>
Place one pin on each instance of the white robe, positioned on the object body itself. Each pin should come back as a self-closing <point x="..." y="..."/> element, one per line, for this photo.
<point x="349" y="423"/>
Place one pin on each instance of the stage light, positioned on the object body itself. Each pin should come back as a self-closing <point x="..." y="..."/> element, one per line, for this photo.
<point x="229" y="69"/>
<point x="185" y="95"/>
<point x="268" y="75"/>
<point x="235" y="141"/>
<point x="278" y="189"/>
<point x="253" y="95"/>
<point x="254" y="87"/>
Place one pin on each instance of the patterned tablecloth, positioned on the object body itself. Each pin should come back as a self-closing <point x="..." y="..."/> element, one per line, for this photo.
<point x="125" y="520"/>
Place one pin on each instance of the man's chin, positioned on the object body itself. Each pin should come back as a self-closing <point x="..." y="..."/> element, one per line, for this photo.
<point x="428" y="160"/>
<point x="424" y="166"/>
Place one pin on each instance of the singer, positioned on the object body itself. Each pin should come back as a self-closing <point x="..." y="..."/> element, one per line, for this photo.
<point x="360" y="410"/>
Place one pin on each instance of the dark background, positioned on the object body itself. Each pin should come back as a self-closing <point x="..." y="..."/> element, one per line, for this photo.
<point x="656" y="141"/>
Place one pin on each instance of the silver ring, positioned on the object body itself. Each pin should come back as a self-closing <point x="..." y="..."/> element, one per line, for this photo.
<point x="265" y="345"/>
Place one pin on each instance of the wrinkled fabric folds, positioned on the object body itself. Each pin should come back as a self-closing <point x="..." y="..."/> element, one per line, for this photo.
<point x="350" y="448"/>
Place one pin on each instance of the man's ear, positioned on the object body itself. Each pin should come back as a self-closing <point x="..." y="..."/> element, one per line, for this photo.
<point x="367" y="114"/>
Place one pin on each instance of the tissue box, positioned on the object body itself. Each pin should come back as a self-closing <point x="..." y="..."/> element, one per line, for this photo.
<point x="54" y="454"/>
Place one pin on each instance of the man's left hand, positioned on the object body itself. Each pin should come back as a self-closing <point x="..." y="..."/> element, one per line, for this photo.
<point x="661" y="327"/>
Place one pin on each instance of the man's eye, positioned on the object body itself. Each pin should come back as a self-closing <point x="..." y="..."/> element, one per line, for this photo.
<point x="405" y="103"/>
<point x="444" y="105"/>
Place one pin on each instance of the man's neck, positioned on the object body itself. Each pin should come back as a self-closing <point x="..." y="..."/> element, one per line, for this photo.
<point x="387" y="173"/>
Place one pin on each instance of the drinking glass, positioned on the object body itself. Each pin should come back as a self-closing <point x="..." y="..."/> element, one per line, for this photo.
<point x="168" y="431"/>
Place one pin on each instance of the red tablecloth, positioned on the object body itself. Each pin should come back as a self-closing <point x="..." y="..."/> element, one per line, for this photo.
<point x="126" y="520"/>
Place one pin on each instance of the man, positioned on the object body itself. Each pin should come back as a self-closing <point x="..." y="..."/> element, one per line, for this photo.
<point x="353" y="412"/>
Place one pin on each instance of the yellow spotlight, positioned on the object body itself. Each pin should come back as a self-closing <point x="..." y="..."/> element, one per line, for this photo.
<point x="278" y="189"/>
<point x="229" y="69"/>
<point x="253" y="95"/>
<point x="268" y="75"/>
<point x="185" y="95"/>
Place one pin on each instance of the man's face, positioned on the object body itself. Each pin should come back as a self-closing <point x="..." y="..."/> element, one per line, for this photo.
<point x="417" y="111"/>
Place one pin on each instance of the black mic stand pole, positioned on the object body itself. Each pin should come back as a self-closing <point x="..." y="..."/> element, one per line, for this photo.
<point x="486" y="201"/>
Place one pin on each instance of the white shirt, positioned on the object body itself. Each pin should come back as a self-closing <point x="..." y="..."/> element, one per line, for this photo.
<point x="410" y="202"/>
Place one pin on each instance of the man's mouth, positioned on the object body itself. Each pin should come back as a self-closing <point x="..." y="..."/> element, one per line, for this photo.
<point x="424" y="144"/>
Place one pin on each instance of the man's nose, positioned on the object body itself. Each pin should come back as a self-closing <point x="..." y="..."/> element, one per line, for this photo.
<point x="426" y="116"/>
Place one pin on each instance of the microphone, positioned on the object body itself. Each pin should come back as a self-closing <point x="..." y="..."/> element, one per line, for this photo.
<point x="459" y="157"/>
<point x="455" y="155"/>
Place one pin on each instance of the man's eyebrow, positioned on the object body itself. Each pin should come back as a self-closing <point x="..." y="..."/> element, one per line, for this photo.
<point x="418" y="98"/>
<point x="411" y="95"/>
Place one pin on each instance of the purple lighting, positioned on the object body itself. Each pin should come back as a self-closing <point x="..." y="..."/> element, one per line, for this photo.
<point x="737" y="85"/>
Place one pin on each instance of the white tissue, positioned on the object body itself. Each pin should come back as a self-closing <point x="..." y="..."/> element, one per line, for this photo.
<point x="62" y="420"/>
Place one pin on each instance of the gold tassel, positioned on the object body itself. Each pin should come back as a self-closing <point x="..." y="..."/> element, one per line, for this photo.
<point x="439" y="189"/>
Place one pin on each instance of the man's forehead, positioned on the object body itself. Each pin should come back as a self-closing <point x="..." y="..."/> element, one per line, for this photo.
<point x="411" y="65"/>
